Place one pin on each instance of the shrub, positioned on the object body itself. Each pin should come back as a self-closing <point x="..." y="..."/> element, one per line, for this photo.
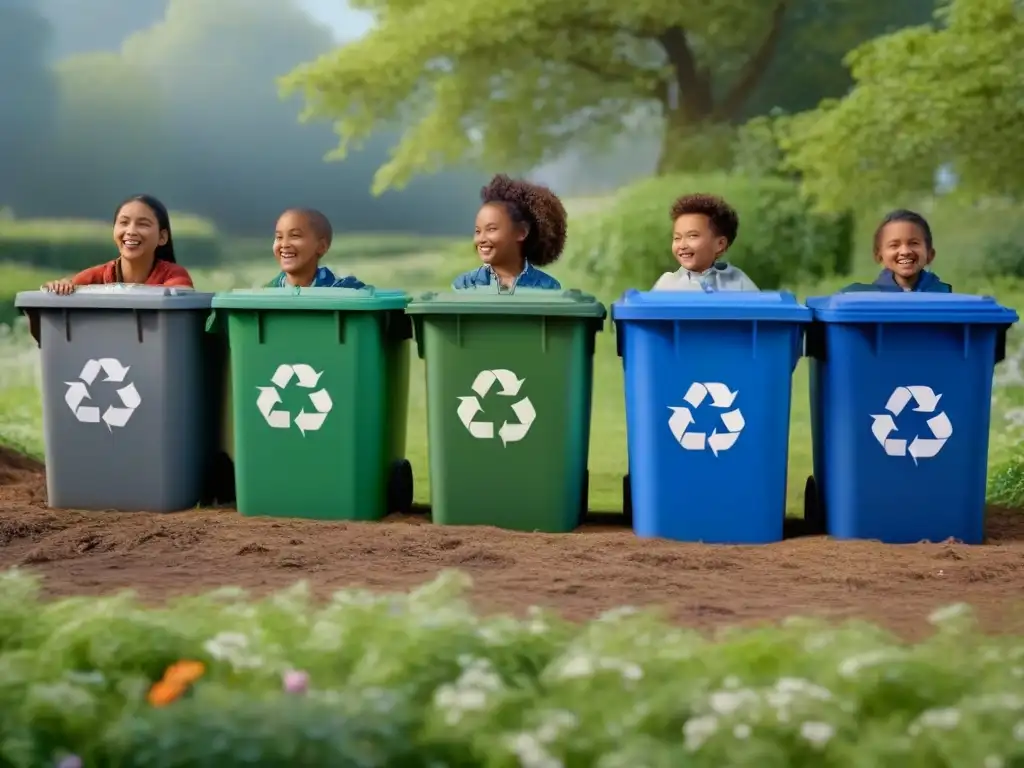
<point x="1002" y="251"/>
<point x="781" y="239"/>
<point x="419" y="680"/>
<point x="73" y="245"/>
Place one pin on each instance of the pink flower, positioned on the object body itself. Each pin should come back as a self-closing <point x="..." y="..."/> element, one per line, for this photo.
<point x="70" y="761"/>
<point x="296" y="681"/>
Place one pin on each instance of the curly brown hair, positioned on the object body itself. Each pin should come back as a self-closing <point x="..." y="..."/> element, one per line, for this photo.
<point x="538" y="209"/>
<point x="724" y="221"/>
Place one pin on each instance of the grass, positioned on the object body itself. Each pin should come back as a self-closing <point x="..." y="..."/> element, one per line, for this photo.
<point x="431" y="266"/>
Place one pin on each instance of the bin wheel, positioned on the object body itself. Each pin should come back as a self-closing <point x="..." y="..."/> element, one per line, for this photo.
<point x="627" y="500"/>
<point x="814" y="510"/>
<point x="400" y="487"/>
<point x="585" y="497"/>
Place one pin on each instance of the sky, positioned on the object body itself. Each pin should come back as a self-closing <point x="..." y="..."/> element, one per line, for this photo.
<point x="346" y="23"/>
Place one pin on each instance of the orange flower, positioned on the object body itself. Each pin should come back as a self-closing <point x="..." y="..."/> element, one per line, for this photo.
<point x="176" y="680"/>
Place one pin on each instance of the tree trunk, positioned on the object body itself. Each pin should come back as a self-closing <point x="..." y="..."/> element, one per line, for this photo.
<point x="695" y="146"/>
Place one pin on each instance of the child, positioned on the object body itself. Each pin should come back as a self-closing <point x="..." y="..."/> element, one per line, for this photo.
<point x="520" y="226"/>
<point x="142" y="234"/>
<point x="903" y="246"/>
<point x="703" y="228"/>
<point x="302" y="237"/>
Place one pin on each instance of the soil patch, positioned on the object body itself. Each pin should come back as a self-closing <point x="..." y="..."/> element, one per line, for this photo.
<point x="579" y="574"/>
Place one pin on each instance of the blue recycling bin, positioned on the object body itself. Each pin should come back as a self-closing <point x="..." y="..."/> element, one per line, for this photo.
<point x="708" y="387"/>
<point x="901" y="389"/>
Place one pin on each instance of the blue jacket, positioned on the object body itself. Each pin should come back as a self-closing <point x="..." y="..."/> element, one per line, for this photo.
<point x="530" y="277"/>
<point x="324" y="278"/>
<point x="928" y="282"/>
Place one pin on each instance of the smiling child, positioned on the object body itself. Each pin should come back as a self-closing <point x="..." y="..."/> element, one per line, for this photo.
<point x="301" y="238"/>
<point x="703" y="228"/>
<point x="903" y="246"/>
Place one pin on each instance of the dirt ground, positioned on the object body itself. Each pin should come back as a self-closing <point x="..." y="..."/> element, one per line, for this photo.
<point x="578" y="574"/>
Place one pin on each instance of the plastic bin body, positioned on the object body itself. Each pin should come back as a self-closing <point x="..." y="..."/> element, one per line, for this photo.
<point x="708" y="381"/>
<point x="509" y="380"/>
<point x="131" y="396"/>
<point x="891" y="374"/>
<point x="319" y="394"/>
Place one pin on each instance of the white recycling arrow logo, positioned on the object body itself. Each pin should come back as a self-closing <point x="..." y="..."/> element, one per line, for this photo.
<point x="78" y="392"/>
<point x="884" y="424"/>
<point x="307" y="378"/>
<point x="470" y="407"/>
<point x="682" y="417"/>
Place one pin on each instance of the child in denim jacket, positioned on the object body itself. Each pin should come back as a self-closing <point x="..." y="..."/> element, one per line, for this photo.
<point x="301" y="239"/>
<point x="520" y="227"/>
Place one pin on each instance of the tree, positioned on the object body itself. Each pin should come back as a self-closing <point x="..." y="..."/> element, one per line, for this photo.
<point x="948" y="93"/>
<point x="516" y="83"/>
<point x="27" y="98"/>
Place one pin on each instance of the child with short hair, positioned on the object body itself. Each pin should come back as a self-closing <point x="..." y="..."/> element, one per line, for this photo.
<point x="903" y="246"/>
<point x="301" y="238"/>
<point x="703" y="229"/>
<point x="520" y="226"/>
<point x="142" y="235"/>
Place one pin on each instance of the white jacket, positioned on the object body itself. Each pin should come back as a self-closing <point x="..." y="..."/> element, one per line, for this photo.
<point x="720" y="277"/>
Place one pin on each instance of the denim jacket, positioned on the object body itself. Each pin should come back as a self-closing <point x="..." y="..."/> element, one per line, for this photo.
<point x="324" y="278"/>
<point x="530" y="277"/>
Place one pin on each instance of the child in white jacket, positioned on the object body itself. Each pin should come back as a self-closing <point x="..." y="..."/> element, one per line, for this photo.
<point x="703" y="228"/>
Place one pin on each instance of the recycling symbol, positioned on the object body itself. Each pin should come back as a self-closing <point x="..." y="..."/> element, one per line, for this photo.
<point x="78" y="392"/>
<point x="682" y="417"/>
<point x="305" y="377"/>
<point x="469" y="407"/>
<point x="927" y="401"/>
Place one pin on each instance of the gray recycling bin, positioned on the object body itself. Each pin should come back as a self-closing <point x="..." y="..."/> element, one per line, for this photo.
<point x="132" y="391"/>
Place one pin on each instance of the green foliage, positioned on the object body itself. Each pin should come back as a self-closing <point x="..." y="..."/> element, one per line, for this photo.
<point x="780" y="238"/>
<point x="1002" y="252"/>
<point x="515" y="84"/>
<point x="74" y="245"/>
<point x="420" y="680"/>
<point x="1006" y="482"/>
<point x="927" y="96"/>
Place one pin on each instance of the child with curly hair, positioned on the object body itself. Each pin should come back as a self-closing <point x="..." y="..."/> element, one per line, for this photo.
<point x="520" y="226"/>
<point x="703" y="228"/>
<point x="301" y="238"/>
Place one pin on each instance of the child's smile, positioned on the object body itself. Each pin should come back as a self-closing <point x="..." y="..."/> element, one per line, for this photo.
<point x="903" y="249"/>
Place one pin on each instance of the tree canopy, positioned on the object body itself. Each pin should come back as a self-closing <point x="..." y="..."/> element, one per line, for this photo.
<point x="945" y="94"/>
<point x="517" y="83"/>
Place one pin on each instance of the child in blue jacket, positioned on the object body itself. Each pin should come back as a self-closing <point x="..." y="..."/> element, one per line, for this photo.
<point x="904" y="248"/>
<point x="301" y="238"/>
<point x="520" y="227"/>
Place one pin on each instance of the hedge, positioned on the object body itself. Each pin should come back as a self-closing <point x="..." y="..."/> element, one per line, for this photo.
<point x="419" y="680"/>
<point x="73" y="245"/>
<point x="781" y="239"/>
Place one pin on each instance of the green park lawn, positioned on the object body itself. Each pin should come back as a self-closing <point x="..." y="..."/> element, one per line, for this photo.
<point x="21" y="418"/>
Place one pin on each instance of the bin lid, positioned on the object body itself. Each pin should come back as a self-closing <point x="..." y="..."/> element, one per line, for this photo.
<point x="885" y="307"/>
<point x="777" y="306"/>
<point x="523" y="301"/>
<point x="366" y="299"/>
<point x="117" y="296"/>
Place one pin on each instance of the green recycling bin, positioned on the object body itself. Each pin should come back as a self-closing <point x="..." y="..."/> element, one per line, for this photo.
<point x="509" y="382"/>
<point x="319" y="400"/>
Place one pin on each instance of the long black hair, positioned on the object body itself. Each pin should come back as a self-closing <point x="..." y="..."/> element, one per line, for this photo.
<point x="164" y="252"/>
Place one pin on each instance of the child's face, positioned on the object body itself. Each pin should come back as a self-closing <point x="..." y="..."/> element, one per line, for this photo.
<point x="137" y="232"/>
<point x="902" y="249"/>
<point x="497" y="238"/>
<point x="695" y="244"/>
<point x="297" y="247"/>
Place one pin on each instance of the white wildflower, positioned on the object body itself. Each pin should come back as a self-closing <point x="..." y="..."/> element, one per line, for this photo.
<point x="531" y="752"/>
<point x="851" y="666"/>
<point x="949" y="613"/>
<point x="234" y="648"/>
<point x="741" y="731"/>
<point x="946" y="718"/>
<point x="697" y="730"/>
<point x="993" y="761"/>
<point x="577" y="666"/>
<point x="726" y="703"/>
<point x="1018" y="731"/>
<point x="816" y="733"/>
